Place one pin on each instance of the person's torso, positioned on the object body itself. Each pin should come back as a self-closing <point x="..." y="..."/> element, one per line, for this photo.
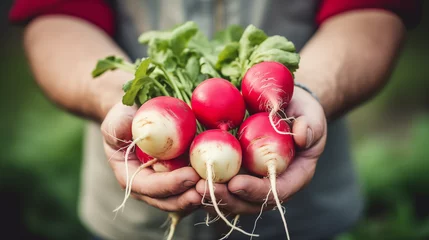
<point x="294" y="19"/>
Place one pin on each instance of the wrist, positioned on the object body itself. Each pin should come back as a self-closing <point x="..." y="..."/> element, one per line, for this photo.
<point x="106" y="91"/>
<point x="307" y="89"/>
<point x="313" y="93"/>
<point x="319" y="85"/>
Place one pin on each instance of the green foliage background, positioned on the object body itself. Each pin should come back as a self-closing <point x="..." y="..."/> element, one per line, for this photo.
<point x="41" y="151"/>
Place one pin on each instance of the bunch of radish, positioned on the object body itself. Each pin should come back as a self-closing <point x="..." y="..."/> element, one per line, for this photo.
<point x="164" y="130"/>
<point x="217" y="111"/>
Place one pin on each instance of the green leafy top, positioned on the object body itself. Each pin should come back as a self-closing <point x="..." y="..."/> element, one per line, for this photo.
<point x="110" y="63"/>
<point x="232" y="33"/>
<point x="181" y="57"/>
<point x="253" y="47"/>
<point x="140" y="78"/>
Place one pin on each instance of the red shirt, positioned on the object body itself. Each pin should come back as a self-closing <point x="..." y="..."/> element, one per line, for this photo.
<point x="102" y="15"/>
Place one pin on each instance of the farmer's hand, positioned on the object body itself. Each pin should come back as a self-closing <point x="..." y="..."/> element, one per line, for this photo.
<point x="169" y="191"/>
<point x="245" y="193"/>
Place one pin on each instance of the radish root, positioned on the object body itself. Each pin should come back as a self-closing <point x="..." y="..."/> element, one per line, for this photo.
<point x="232" y="229"/>
<point x="260" y="212"/>
<point x="126" y="162"/>
<point x="207" y="220"/>
<point x="175" y="218"/>
<point x="204" y="203"/>
<point x="114" y="135"/>
<point x="272" y="176"/>
<point x="120" y="149"/>
<point x="288" y="120"/>
<point x="129" y="183"/>
<point x="215" y="205"/>
<point x="273" y="112"/>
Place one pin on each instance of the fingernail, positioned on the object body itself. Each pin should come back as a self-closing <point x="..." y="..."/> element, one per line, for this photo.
<point x="240" y="192"/>
<point x="309" y="137"/>
<point x="189" y="183"/>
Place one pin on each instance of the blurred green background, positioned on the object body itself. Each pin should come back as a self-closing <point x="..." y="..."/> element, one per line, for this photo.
<point x="41" y="150"/>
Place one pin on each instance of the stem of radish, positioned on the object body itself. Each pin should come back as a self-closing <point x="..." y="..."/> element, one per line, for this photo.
<point x="187" y="95"/>
<point x="172" y="82"/>
<point x="216" y="207"/>
<point x="162" y="88"/>
<point x="272" y="176"/>
<point x="131" y="68"/>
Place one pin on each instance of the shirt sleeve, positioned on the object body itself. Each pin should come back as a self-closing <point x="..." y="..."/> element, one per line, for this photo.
<point x="97" y="12"/>
<point x="408" y="10"/>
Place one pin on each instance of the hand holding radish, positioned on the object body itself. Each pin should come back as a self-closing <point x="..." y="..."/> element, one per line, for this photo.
<point x="168" y="191"/>
<point x="220" y="108"/>
<point x="246" y="192"/>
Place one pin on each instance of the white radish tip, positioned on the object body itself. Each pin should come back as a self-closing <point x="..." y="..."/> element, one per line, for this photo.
<point x="215" y="205"/>
<point x="272" y="176"/>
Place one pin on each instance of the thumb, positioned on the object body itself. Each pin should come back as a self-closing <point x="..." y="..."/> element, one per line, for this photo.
<point x="116" y="126"/>
<point x="304" y="134"/>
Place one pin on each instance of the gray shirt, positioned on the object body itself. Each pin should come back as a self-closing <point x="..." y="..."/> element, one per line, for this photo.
<point x="328" y="205"/>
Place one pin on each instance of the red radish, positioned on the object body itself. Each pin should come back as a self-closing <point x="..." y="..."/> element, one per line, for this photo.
<point x="164" y="165"/>
<point x="268" y="87"/>
<point x="163" y="127"/>
<point x="217" y="103"/>
<point x="167" y="166"/>
<point x="266" y="152"/>
<point x="216" y="156"/>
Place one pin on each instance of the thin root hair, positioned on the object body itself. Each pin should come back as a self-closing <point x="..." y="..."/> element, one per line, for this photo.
<point x="216" y="207"/>
<point x="114" y="134"/>
<point x="264" y="204"/>
<point x="113" y="154"/>
<point x="271" y="118"/>
<point x="165" y="222"/>
<point x="204" y="196"/>
<point x="129" y="184"/>
<point x="207" y="220"/>
<point x="234" y="223"/>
